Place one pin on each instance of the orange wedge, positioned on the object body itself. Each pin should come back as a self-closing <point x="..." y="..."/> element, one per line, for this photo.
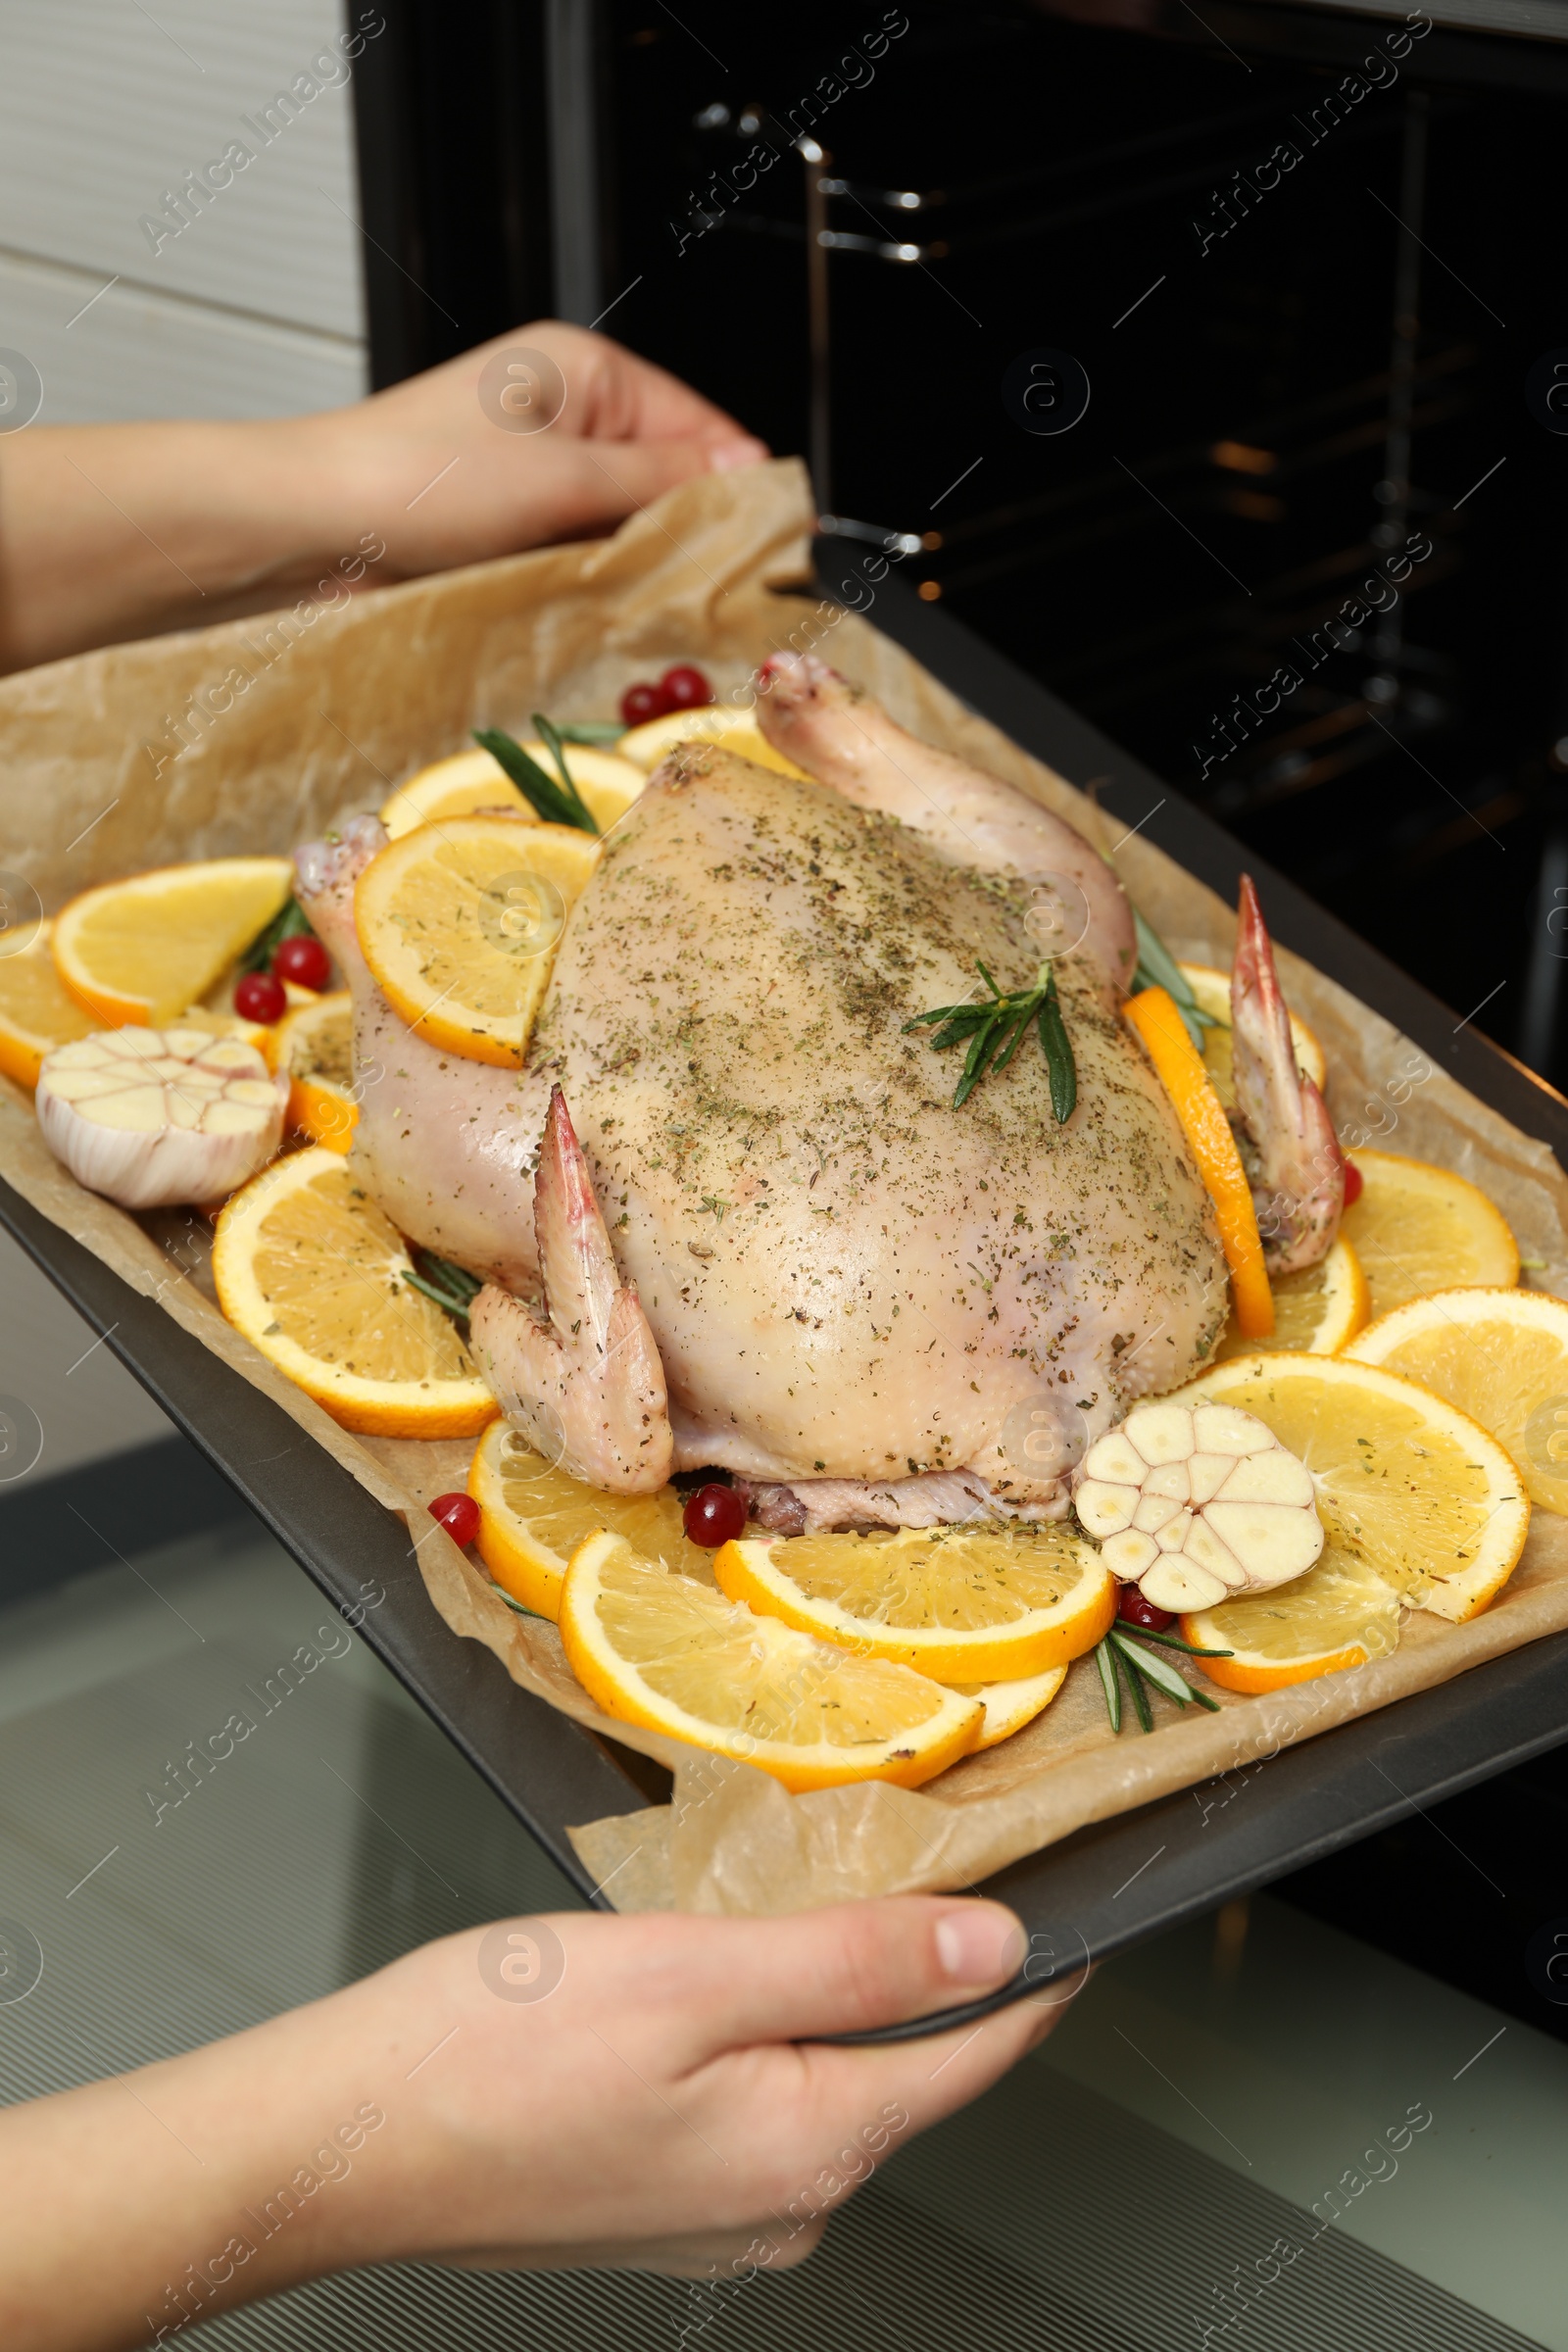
<point x="1198" y="1107"/>
<point x="312" y="1274"/>
<point x="315" y="1045"/>
<point x="145" y="949"/>
<point x="674" y="1655"/>
<point x="460" y="923"/>
<point x="963" y="1604"/>
<point x="36" y="1013"/>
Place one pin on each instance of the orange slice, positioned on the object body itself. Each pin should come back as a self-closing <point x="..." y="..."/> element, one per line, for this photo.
<point x="674" y="1655"/>
<point x="1010" y="1706"/>
<point x="1198" y="1107"/>
<point x="1316" y="1312"/>
<point x="1417" y="1229"/>
<point x="145" y="949"/>
<point x="1341" y="1613"/>
<point x="1501" y="1357"/>
<point x="1407" y="1485"/>
<point x="533" y="1516"/>
<point x="313" y="1045"/>
<point x="312" y="1272"/>
<point x="962" y="1604"/>
<point x="472" y="779"/>
<point x="460" y="923"/>
<point x="717" y="723"/>
<point x="36" y="1013"/>
<point x="1212" y="990"/>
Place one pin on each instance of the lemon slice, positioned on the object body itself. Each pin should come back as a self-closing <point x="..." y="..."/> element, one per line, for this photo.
<point x="1501" y="1357"/>
<point x="315" y="1046"/>
<point x="1315" y="1311"/>
<point x="1406" y="1484"/>
<point x="36" y="1012"/>
<point x="962" y="1604"/>
<point x="460" y="923"/>
<point x="532" y="1517"/>
<point x="1418" y="1229"/>
<point x="1339" y="1613"/>
<point x="144" y="949"/>
<point x="1010" y="1706"/>
<point x="677" y="1656"/>
<point x="311" y="1273"/>
<point x="717" y="722"/>
<point x="1212" y="988"/>
<point x="473" y="779"/>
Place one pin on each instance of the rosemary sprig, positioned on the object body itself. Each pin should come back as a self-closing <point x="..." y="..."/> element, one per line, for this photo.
<point x="995" y="1029"/>
<point x="451" y="1287"/>
<point x="290" y="923"/>
<point x="1147" y="1632"/>
<point x="1157" y="967"/>
<point x="1117" y="1657"/>
<point x="555" y="804"/>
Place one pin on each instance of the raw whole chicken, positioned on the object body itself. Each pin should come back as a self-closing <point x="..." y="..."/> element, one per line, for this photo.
<point x="730" y="1214"/>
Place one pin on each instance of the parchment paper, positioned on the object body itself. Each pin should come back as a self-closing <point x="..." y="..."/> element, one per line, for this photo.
<point x="337" y="709"/>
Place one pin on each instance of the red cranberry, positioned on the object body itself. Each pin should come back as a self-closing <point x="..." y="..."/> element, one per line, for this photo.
<point x="715" y="1515"/>
<point x="1133" y="1609"/>
<point x="304" y="960"/>
<point x="639" y="704"/>
<point x="259" y="998"/>
<point x="1353" y="1182"/>
<point x="459" y="1514"/>
<point x="684" y="688"/>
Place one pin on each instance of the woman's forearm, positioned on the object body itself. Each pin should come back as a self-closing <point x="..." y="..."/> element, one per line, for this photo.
<point x="118" y="531"/>
<point x="137" y="2205"/>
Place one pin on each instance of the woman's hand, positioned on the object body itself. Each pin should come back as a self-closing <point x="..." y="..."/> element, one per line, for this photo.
<point x="109" y="531"/>
<point x="572" y="2090"/>
<point x="474" y="460"/>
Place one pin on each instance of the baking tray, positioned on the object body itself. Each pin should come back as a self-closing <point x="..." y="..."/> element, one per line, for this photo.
<point x="1107" y="1886"/>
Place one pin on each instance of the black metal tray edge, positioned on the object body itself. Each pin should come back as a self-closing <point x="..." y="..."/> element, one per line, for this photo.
<point x="1108" y="1886"/>
<point x="547" y="1769"/>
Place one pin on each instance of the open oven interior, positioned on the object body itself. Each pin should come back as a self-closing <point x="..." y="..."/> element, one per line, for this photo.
<point x="1302" y="551"/>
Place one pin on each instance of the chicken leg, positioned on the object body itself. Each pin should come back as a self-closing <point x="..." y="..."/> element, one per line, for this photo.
<point x="838" y="734"/>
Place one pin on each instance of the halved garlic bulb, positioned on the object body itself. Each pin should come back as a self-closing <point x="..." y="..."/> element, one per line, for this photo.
<point x="154" y="1117"/>
<point x="1193" y="1502"/>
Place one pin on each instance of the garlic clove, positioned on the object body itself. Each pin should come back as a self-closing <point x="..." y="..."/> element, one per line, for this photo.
<point x="1177" y="1583"/>
<point x="1172" y="1479"/>
<point x="1226" y="1429"/>
<point x="1112" y="1457"/>
<point x="1272" y="1477"/>
<point x="1206" y="1473"/>
<point x="1104" y="1511"/>
<point x="1174" y="1537"/>
<point x="1160" y="1432"/>
<point x="1128" y="1554"/>
<point x="1207" y="1551"/>
<point x="150" y="1117"/>
<point x="1153" y="1512"/>
<point x="1273" y="1542"/>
